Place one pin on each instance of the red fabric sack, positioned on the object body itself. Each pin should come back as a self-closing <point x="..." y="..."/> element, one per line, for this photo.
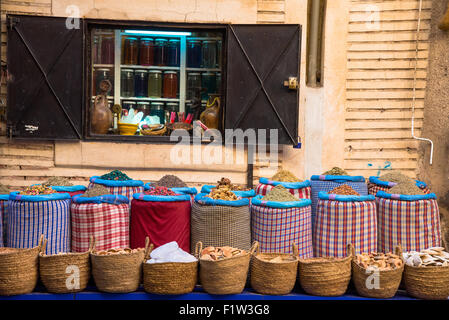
<point x="161" y="221"/>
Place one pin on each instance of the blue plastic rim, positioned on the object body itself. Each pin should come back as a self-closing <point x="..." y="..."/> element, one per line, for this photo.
<point x="44" y="197"/>
<point x="345" y="198"/>
<point x="69" y="188"/>
<point x="257" y="201"/>
<point x="4" y="197"/>
<point x="117" y="183"/>
<point x="202" y="199"/>
<point x="389" y="184"/>
<point x="108" y="198"/>
<point x="404" y="197"/>
<point x="288" y="185"/>
<point x="153" y="198"/>
<point x="337" y="178"/>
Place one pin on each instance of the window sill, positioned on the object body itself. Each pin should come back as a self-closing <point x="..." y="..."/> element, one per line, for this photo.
<point x="138" y="139"/>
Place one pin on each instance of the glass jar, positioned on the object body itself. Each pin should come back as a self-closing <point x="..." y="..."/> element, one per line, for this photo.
<point x="193" y="53"/>
<point x="172" y="53"/>
<point x="155" y="84"/>
<point x="209" y="84"/>
<point x="141" y="83"/>
<point x="159" y="51"/>
<point x="131" y="50"/>
<point x="157" y="109"/>
<point x="100" y="75"/>
<point x="193" y="85"/>
<point x="107" y="50"/>
<point x="143" y="106"/>
<point x="170" y="84"/>
<point x="126" y="106"/>
<point x="127" y="83"/>
<point x="169" y="108"/>
<point x="209" y="54"/>
<point x="146" y="52"/>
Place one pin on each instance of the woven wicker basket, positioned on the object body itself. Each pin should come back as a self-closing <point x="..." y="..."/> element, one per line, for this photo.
<point x="227" y="276"/>
<point x="19" y="270"/>
<point x="64" y="273"/>
<point x="170" y="277"/>
<point x="430" y="282"/>
<point x="325" y="276"/>
<point x="159" y="132"/>
<point x="273" y="278"/>
<point x="389" y="281"/>
<point x="118" y="273"/>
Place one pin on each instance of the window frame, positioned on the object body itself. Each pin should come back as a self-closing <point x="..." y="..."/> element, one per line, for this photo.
<point x="87" y="76"/>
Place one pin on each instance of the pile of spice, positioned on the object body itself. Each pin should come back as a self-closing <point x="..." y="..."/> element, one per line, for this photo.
<point x="435" y="256"/>
<point x="115" y="175"/>
<point x="344" y="189"/>
<point x="96" y="191"/>
<point x="220" y="253"/>
<point x="58" y="181"/>
<point x="397" y="177"/>
<point x="382" y="261"/>
<point x="227" y="184"/>
<point x="285" y="176"/>
<point x="160" y="191"/>
<point x="278" y="259"/>
<point x="405" y="185"/>
<point x="37" y="190"/>
<point x="117" y="251"/>
<point x="222" y="194"/>
<point x="170" y="181"/>
<point x="279" y="193"/>
<point x="335" y="171"/>
<point x="3" y="189"/>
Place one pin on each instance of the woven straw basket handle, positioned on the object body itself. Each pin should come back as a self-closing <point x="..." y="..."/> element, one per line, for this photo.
<point x="43" y="246"/>
<point x="350" y="250"/>
<point x="255" y="248"/>
<point x="198" y="249"/>
<point x="148" y="248"/>
<point x="92" y="243"/>
<point x="398" y="250"/>
<point x="295" y="250"/>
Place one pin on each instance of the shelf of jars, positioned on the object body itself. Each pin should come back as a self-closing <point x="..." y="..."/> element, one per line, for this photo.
<point x="133" y="66"/>
<point x="150" y="99"/>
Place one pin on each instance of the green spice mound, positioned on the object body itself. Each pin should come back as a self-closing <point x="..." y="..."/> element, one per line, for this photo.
<point x="335" y="171"/>
<point x="116" y="175"/>
<point x="406" y="188"/>
<point x="58" y="181"/>
<point x="396" y="176"/>
<point x="279" y="193"/>
<point x="95" y="191"/>
<point x="3" y="189"/>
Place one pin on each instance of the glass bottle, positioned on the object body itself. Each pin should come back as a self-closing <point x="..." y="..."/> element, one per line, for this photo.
<point x="155" y="84"/>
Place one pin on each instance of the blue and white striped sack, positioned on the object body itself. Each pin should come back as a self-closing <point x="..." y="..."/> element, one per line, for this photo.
<point x="327" y="183"/>
<point x="31" y="216"/>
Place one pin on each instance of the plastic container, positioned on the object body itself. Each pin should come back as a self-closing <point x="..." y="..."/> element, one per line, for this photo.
<point x="170" y="84"/>
<point x="127" y="83"/>
<point x="141" y="83"/>
<point x="146" y="52"/>
<point x="131" y="50"/>
<point x="155" y="84"/>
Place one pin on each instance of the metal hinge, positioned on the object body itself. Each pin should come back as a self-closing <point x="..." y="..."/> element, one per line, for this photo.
<point x="12" y="21"/>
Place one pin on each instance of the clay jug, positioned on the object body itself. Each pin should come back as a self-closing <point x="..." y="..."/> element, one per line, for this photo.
<point x="211" y="116"/>
<point x="100" y="116"/>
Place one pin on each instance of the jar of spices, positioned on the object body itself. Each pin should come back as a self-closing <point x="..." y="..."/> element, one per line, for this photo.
<point x="209" y="84"/>
<point x="193" y="84"/>
<point x="209" y="54"/>
<point x="172" y="53"/>
<point x="146" y="52"/>
<point x="170" y="84"/>
<point x="157" y="109"/>
<point x="127" y="83"/>
<point x="141" y="83"/>
<point x="159" y="51"/>
<point x="193" y="53"/>
<point x="155" y="84"/>
<point x="131" y="50"/>
<point x="107" y="50"/>
<point x="100" y="75"/>
<point x="143" y="106"/>
<point x="126" y="106"/>
<point x="169" y="108"/>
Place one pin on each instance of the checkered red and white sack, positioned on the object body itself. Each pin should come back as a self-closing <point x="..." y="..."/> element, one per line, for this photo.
<point x="414" y="224"/>
<point x="108" y="223"/>
<point x="339" y="223"/>
<point x="301" y="190"/>
<point x="276" y="229"/>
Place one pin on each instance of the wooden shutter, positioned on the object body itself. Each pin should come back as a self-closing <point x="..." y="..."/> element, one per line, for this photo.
<point x="259" y="59"/>
<point x="45" y="83"/>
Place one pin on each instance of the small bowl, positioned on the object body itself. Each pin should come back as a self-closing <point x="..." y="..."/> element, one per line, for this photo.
<point x="127" y="129"/>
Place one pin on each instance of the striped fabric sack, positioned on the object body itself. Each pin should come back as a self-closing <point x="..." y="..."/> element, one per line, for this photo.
<point x="3" y="216"/>
<point x="411" y="221"/>
<point x="220" y="223"/>
<point x="277" y="225"/>
<point x="327" y="183"/>
<point x="30" y="216"/>
<point x="375" y="185"/>
<point x="341" y="220"/>
<point x="106" y="218"/>
<point x="125" y="188"/>
<point x="301" y="190"/>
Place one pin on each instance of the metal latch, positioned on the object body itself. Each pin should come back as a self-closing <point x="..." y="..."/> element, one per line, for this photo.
<point x="291" y="83"/>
